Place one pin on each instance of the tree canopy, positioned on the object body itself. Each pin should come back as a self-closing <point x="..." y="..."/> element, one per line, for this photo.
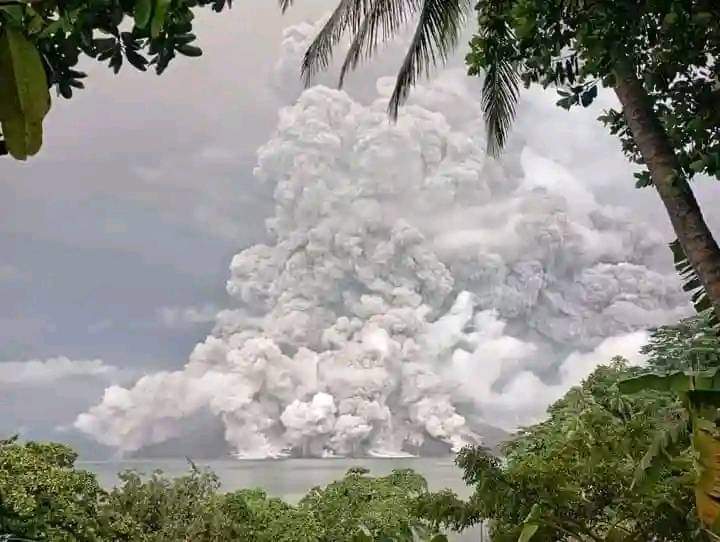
<point x="574" y="476"/>
<point x="604" y="466"/>
<point x="44" y="497"/>
<point x="43" y="41"/>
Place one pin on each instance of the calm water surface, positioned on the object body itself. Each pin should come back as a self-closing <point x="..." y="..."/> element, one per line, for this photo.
<point x="292" y="478"/>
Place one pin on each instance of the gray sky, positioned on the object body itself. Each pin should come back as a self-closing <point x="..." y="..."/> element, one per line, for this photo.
<point x="141" y="194"/>
<point x="115" y="241"/>
<point x="131" y="212"/>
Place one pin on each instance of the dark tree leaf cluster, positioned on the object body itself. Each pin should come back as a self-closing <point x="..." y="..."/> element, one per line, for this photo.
<point x="51" y="37"/>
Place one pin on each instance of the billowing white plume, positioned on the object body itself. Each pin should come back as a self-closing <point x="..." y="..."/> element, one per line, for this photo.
<point x="412" y="291"/>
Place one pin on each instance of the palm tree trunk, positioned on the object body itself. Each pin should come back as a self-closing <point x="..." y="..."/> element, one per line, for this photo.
<point x="675" y="192"/>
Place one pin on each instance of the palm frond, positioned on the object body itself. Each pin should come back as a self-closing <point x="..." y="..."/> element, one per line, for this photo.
<point x="347" y="15"/>
<point x="500" y="88"/>
<point x="381" y="23"/>
<point x="692" y="283"/>
<point x="438" y="29"/>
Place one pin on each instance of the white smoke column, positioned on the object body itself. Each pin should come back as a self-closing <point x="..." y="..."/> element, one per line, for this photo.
<point x="412" y="291"/>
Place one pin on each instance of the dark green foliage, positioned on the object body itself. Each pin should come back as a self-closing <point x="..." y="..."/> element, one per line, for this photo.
<point x="158" y="509"/>
<point x="691" y="344"/>
<point x="691" y="347"/>
<point x="43" y="497"/>
<point x="573" y="477"/>
<point x="62" y="33"/>
<point x="382" y="507"/>
<point x="575" y="45"/>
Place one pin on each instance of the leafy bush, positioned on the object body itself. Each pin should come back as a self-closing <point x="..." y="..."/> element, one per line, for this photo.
<point x="160" y="509"/>
<point x="43" y="497"/>
<point x="575" y="475"/>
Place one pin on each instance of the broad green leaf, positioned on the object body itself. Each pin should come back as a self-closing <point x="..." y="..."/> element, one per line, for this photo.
<point x="697" y="165"/>
<point x="51" y="29"/>
<point x="709" y="379"/>
<point x="23" y="136"/>
<point x="23" y="85"/>
<point x="13" y="14"/>
<point x="24" y="96"/>
<point x="189" y="50"/>
<point x="528" y="532"/>
<point x="143" y="10"/>
<point x="678" y="382"/>
<point x="670" y="19"/>
<point x="707" y="487"/>
<point x="158" y="19"/>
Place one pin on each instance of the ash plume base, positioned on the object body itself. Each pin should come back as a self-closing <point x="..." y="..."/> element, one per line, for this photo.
<point x="413" y="292"/>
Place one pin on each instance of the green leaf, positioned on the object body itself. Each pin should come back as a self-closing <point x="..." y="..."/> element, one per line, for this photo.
<point x="158" y="19"/>
<point x="363" y="535"/>
<point x="51" y="29"/>
<point x="643" y="179"/>
<point x="528" y="532"/>
<point x="36" y="22"/>
<point x="189" y="50"/>
<point x="24" y="85"/>
<point x="587" y="97"/>
<point x="439" y="538"/>
<point x="677" y="381"/>
<point x="143" y="10"/>
<point x="615" y="535"/>
<point x="13" y="14"/>
<point x="24" y="96"/>
<point x="23" y="136"/>
<point x="670" y="19"/>
<point x="698" y="165"/>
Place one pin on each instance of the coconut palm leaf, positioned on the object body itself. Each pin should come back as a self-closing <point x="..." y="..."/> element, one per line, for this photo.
<point x="347" y="15"/>
<point x="439" y="23"/>
<point x="692" y="283"/>
<point x="436" y="35"/>
<point x="382" y="21"/>
<point x="501" y="85"/>
<point x="374" y="21"/>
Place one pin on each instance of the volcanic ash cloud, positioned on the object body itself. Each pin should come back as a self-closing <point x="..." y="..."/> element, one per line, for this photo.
<point x="413" y="290"/>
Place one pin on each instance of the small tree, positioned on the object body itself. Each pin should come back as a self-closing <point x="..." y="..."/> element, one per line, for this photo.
<point x="686" y="362"/>
<point x="42" y="495"/>
<point x="573" y="477"/>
